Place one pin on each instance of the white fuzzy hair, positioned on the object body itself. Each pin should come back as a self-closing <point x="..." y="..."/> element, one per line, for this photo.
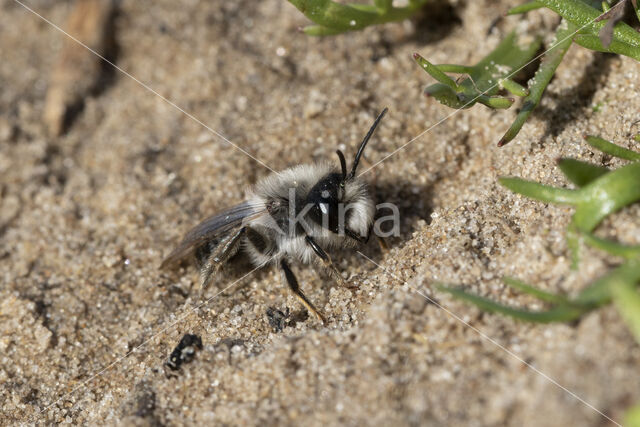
<point x="302" y="178"/>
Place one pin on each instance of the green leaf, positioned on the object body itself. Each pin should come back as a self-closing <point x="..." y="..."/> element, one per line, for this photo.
<point x="436" y="73"/>
<point x="536" y="292"/>
<point x="583" y="16"/>
<point x="602" y="192"/>
<point x="555" y="314"/>
<point x="513" y="87"/>
<point x="606" y="195"/>
<point x="632" y="417"/>
<point x="445" y="96"/>
<point x="496" y="102"/>
<point x="541" y="79"/>
<point x="626" y="298"/>
<point x="541" y="192"/>
<point x="580" y="173"/>
<point x="599" y="292"/>
<point x="612" y="149"/>
<point x="319" y="30"/>
<point x="524" y="8"/>
<point x="365" y="8"/>
<point x="579" y="24"/>
<point x="613" y="248"/>
<point x="453" y="68"/>
<point x="594" y="43"/>
<point x="573" y="243"/>
<point x="330" y="14"/>
<point x="383" y="5"/>
<point x="331" y="17"/>
<point x="504" y="61"/>
<point x="483" y="81"/>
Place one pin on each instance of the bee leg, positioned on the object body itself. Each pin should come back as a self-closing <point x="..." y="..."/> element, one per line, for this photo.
<point x="383" y="244"/>
<point x="326" y="260"/>
<point x="295" y="288"/>
<point x="225" y="250"/>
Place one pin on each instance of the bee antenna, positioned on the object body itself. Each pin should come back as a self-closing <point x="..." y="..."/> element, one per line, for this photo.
<point x="364" y="143"/>
<point x="343" y="164"/>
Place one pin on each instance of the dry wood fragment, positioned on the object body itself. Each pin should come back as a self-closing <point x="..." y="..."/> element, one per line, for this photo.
<point x="77" y="69"/>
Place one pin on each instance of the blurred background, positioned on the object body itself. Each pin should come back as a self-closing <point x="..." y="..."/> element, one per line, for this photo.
<point x="102" y="170"/>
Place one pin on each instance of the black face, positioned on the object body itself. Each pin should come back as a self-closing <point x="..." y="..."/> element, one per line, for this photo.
<point x="324" y="197"/>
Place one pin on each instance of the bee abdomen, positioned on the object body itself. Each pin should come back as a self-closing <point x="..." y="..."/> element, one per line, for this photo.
<point x="259" y="245"/>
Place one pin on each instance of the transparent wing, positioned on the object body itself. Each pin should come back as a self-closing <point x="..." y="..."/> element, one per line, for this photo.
<point x="212" y="227"/>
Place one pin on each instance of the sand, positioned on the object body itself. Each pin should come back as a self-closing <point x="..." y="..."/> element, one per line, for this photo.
<point x="86" y="218"/>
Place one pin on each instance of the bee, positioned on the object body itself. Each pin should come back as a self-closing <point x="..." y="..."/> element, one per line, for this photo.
<point x="297" y="214"/>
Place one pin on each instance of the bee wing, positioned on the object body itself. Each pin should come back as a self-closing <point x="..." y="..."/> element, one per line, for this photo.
<point x="214" y="226"/>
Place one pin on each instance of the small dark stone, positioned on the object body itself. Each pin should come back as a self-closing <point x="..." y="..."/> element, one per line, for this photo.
<point x="31" y="398"/>
<point x="184" y="351"/>
<point x="277" y="318"/>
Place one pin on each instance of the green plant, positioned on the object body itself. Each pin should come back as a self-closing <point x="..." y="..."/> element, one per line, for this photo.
<point x="619" y="286"/>
<point x="485" y="79"/>
<point x="600" y="193"/>
<point x="580" y="25"/>
<point x="332" y="18"/>
<point x="632" y="418"/>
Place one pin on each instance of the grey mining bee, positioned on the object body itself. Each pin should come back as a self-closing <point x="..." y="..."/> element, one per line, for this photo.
<point x="296" y="214"/>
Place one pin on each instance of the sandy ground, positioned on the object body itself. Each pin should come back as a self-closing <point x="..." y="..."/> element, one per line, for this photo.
<point x="86" y="218"/>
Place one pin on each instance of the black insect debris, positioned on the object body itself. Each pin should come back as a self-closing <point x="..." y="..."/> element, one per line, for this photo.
<point x="184" y="351"/>
<point x="277" y="318"/>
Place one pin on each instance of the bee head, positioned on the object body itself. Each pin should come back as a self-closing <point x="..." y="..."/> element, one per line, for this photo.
<point x="325" y="197"/>
<point x="336" y="188"/>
